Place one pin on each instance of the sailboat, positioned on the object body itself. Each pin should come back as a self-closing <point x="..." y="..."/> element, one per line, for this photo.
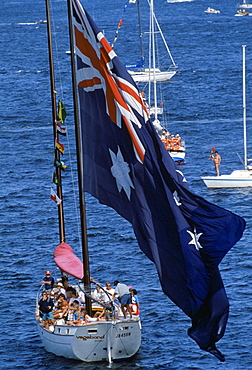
<point x="123" y="164"/>
<point x="114" y="338"/>
<point x="238" y="178"/>
<point x="245" y="5"/>
<point x="139" y="72"/>
<point x="173" y="143"/>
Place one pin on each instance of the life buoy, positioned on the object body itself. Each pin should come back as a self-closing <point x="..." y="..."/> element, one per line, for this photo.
<point x="134" y="309"/>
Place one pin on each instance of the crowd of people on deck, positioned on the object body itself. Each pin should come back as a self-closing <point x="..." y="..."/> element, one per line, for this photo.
<point x="171" y="142"/>
<point x="62" y="301"/>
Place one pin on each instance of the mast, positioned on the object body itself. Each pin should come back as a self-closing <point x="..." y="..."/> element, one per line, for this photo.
<point x="86" y="269"/>
<point x="244" y="105"/>
<point x="54" y="117"/>
<point x="152" y="35"/>
<point x="140" y="33"/>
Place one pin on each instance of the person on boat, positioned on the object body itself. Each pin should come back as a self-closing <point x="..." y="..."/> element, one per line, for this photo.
<point x="217" y="162"/>
<point x="107" y="313"/>
<point x="74" y="314"/>
<point x="212" y="153"/>
<point x="66" y="284"/>
<point x="61" y="289"/>
<point x="99" y="294"/>
<point x="63" y="307"/>
<point x="135" y="302"/>
<point x="45" y="308"/>
<point x="109" y="292"/>
<point x="48" y="281"/>
<point x="73" y="296"/>
<point x="124" y="296"/>
<point x="142" y="94"/>
<point x="86" y="318"/>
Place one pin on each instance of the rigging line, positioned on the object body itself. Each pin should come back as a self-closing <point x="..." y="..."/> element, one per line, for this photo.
<point x="119" y="24"/>
<point x="62" y="93"/>
<point x="164" y="41"/>
<point x="98" y="341"/>
<point x="120" y="338"/>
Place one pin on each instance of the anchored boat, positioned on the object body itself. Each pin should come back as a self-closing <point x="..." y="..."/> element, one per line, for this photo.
<point x="115" y="337"/>
<point x="238" y="178"/>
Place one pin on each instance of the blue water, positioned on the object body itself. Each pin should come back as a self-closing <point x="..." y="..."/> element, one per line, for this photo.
<point x="204" y="104"/>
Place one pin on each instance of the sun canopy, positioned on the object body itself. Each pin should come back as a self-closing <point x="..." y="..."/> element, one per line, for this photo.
<point x="67" y="261"/>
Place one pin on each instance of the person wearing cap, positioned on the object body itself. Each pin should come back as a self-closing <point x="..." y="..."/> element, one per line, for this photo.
<point x="48" y="281"/>
<point x="122" y="291"/>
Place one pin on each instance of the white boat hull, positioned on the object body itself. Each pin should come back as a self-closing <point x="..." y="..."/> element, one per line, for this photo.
<point x="237" y="179"/>
<point x="149" y="76"/>
<point x="245" y="6"/>
<point x="95" y="341"/>
<point x="178" y="156"/>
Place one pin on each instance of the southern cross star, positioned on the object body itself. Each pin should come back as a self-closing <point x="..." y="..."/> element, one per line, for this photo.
<point x="195" y="239"/>
<point x="120" y="170"/>
<point x="176" y="198"/>
<point x="181" y="173"/>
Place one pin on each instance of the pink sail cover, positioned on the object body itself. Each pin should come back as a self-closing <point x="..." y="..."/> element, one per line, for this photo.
<point x="67" y="261"/>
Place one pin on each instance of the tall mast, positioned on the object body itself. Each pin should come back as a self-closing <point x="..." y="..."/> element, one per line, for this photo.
<point x="86" y="269"/>
<point x="152" y="35"/>
<point x="140" y="32"/>
<point x="244" y="105"/>
<point x="54" y="117"/>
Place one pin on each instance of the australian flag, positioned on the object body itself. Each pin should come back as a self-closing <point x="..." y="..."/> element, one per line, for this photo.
<point x="127" y="168"/>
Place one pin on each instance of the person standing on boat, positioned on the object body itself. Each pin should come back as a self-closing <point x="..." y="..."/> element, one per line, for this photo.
<point x="45" y="308"/>
<point x="123" y="293"/>
<point x="135" y="302"/>
<point x="48" y="281"/>
<point x="217" y="162"/>
<point x="109" y="292"/>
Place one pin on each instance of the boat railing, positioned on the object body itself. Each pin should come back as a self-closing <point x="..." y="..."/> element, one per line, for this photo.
<point x="39" y="293"/>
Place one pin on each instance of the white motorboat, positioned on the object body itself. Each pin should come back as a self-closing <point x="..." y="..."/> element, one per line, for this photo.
<point x="242" y="12"/>
<point x="238" y="178"/>
<point x="212" y="11"/>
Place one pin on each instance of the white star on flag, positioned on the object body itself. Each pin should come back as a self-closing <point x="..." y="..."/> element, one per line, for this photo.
<point x="195" y="239"/>
<point x="120" y="170"/>
<point x="176" y="198"/>
<point x="181" y="173"/>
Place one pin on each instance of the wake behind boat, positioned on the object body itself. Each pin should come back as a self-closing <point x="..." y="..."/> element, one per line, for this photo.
<point x="238" y="178"/>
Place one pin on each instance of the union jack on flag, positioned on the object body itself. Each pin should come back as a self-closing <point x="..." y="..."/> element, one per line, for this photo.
<point x="99" y="68"/>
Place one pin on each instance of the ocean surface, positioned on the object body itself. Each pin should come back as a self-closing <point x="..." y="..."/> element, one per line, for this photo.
<point x="204" y="105"/>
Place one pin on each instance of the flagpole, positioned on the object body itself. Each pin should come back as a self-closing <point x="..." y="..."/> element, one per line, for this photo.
<point x="86" y="269"/>
<point x="54" y="117"/>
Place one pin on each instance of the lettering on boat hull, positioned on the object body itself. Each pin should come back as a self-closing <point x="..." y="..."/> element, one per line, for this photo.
<point x="85" y="337"/>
